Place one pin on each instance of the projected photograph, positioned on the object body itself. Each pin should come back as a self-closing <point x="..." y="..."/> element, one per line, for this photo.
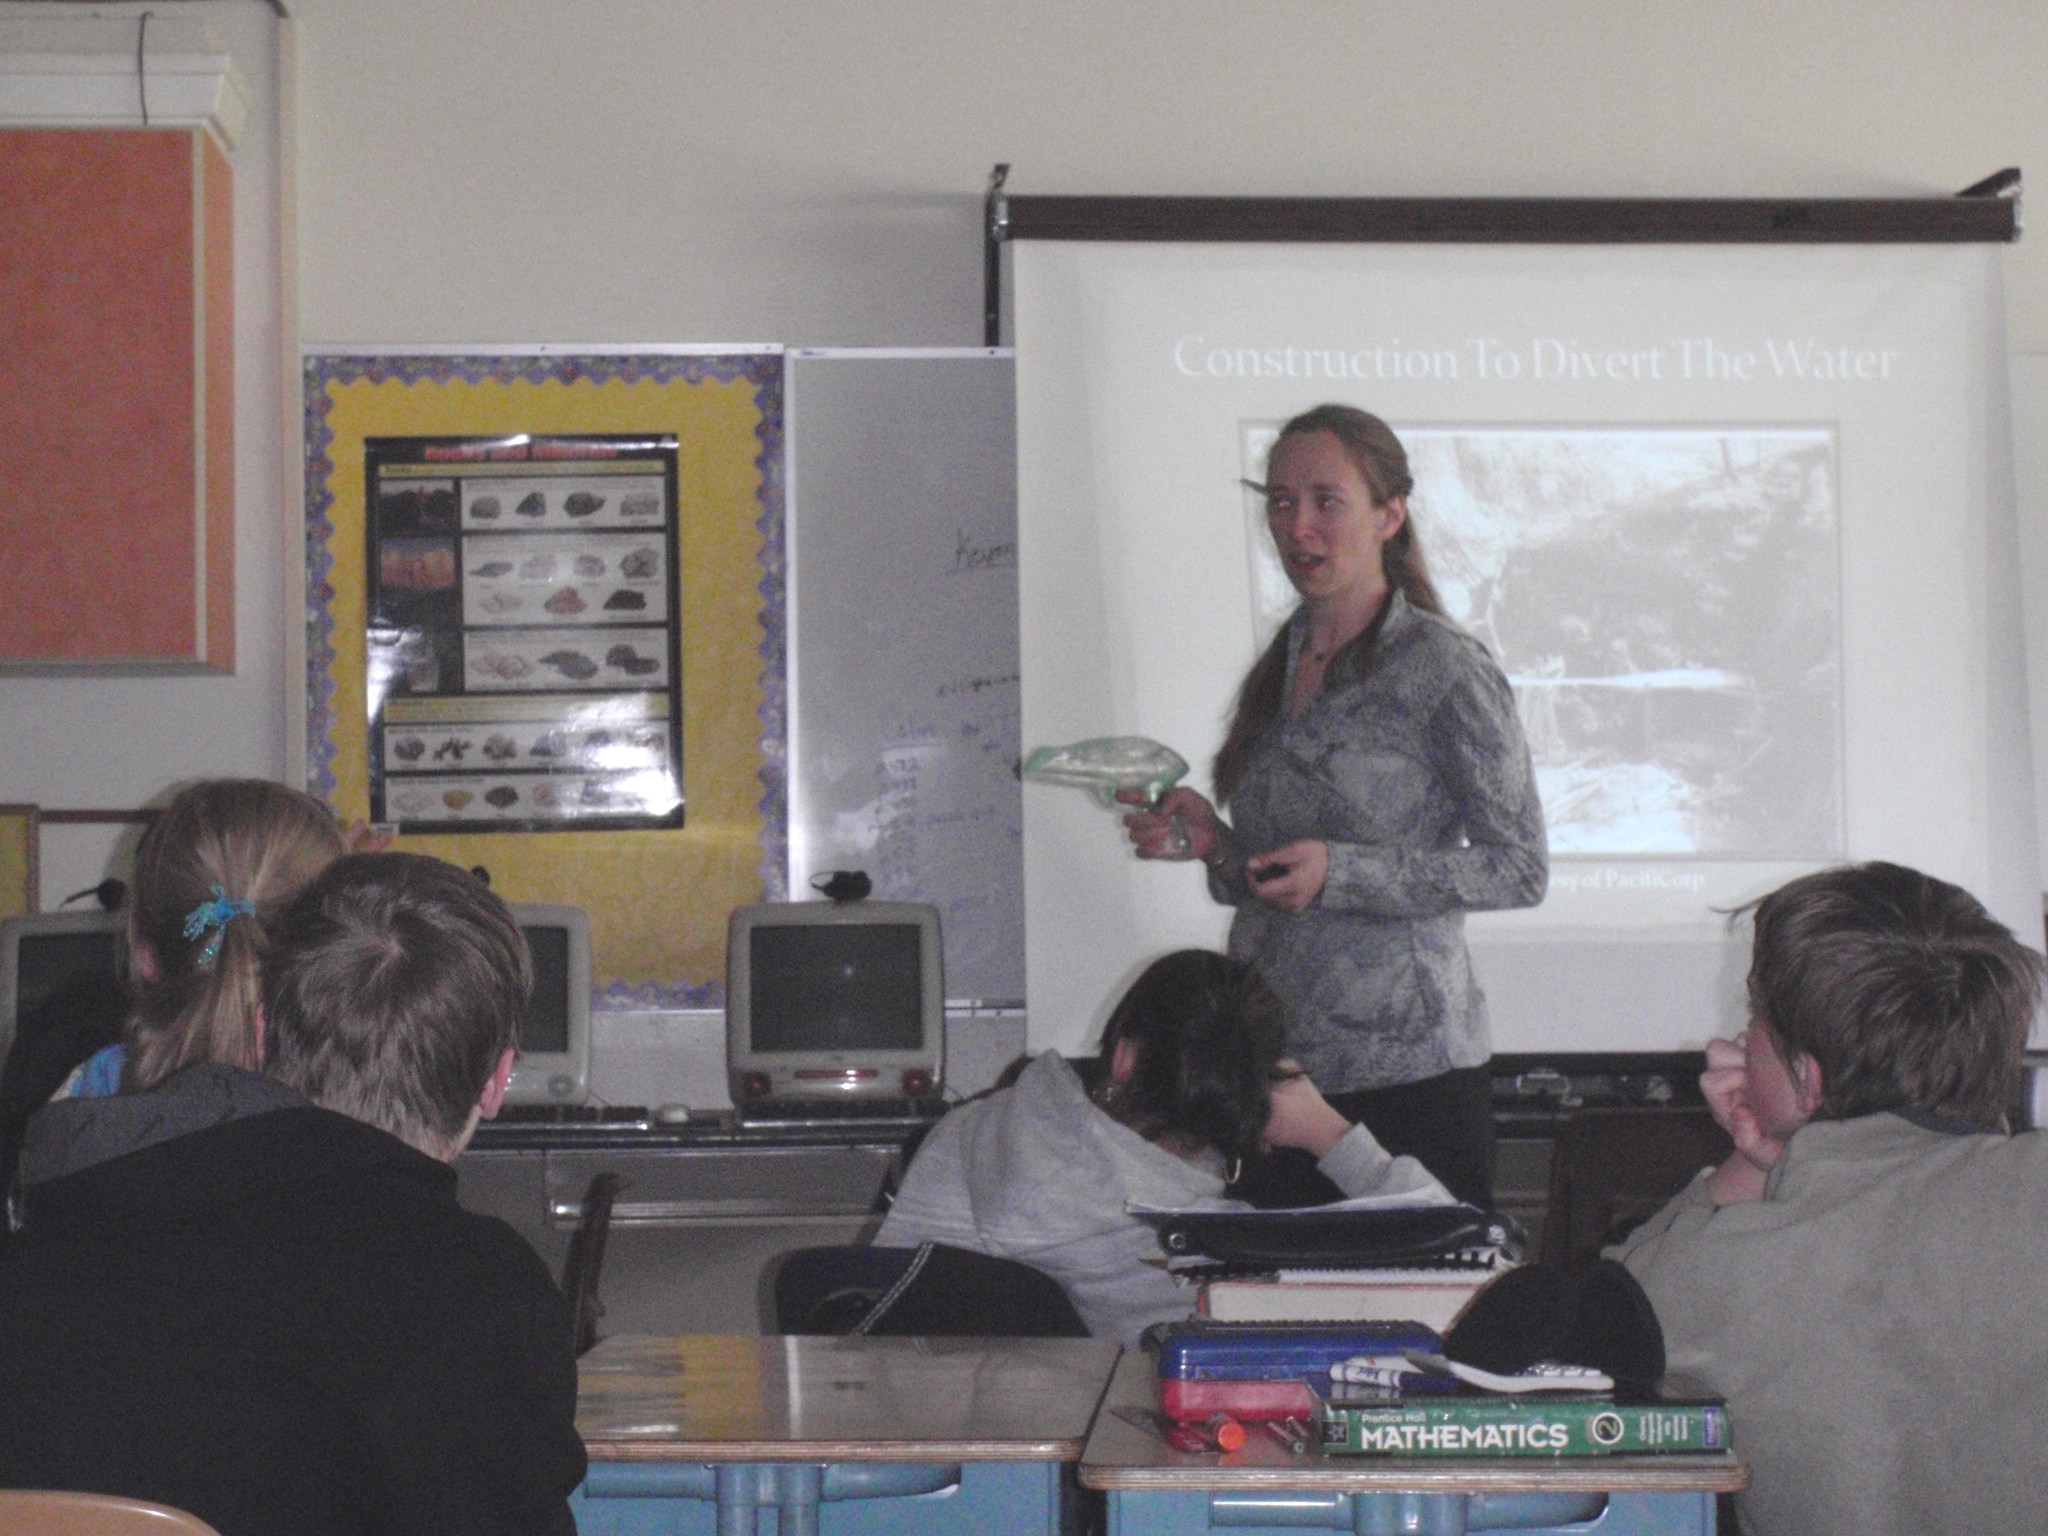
<point x="1666" y="603"/>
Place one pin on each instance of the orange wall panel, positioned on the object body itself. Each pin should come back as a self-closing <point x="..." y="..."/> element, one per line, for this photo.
<point x="116" y="398"/>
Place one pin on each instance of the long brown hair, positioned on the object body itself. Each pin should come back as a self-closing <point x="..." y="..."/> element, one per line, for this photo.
<point x="1379" y="457"/>
<point x="1208" y="1034"/>
<point x="248" y="840"/>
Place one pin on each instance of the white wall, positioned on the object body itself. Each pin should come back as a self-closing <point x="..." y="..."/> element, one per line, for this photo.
<point x="789" y="170"/>
<point x="800" y="171"/>
<point x="2030" y="466"/>
<point x="114" y="742"/>
<point x="479" y="171"/>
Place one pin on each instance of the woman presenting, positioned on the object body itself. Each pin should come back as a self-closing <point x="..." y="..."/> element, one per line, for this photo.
<point x="1379" y="788"/>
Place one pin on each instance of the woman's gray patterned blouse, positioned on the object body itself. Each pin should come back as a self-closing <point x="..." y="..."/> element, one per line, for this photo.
<point x="1418" y="778"/>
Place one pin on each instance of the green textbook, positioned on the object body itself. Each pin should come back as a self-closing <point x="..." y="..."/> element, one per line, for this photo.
<point x="1522" y="1426"/>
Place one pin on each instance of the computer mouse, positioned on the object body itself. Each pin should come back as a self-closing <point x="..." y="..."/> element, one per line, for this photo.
<point x="672" y="1114"/>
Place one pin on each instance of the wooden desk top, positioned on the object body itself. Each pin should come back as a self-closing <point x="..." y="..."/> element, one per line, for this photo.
<point x="1122" y="1455"/>
<point x="730" y="1398"/>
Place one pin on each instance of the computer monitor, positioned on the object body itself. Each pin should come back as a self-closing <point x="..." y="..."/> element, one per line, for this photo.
<point x="2031" y="1112"/>
<point x="834" y="1001"/>
<point x="63" y="971"/>
<point x="554" y="1037"/>
<point x="63" y="993"/>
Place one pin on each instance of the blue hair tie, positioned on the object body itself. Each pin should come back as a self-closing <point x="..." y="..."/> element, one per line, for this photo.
<point x="215" y="914"/>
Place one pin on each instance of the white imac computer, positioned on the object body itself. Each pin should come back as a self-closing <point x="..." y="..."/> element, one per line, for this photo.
<point x="835" y="1003"/>
<point x="554" y="1037"/>
<point x="64" y="970"/>
<point x="2031" y="1112"/>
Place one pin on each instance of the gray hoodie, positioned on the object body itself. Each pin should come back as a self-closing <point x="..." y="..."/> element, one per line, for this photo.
<point x="1038" y="1173"/>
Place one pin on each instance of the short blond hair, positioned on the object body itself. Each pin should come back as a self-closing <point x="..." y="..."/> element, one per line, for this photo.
<point x="1905" y="991"/>
<point x="393" y="987"/>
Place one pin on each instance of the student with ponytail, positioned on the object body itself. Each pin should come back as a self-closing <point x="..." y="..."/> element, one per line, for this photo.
<point x="224" y="858"/>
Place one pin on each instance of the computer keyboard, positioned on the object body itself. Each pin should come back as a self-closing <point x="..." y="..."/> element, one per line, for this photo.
<point x="573" y="1120"/>
<point x="812" y="1111"/>
<point x="574" y="1117"/>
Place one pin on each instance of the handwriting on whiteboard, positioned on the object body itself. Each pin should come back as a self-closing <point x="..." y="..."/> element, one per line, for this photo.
<point x="971" y="555"/>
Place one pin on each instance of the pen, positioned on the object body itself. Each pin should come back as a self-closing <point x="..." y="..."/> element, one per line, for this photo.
<point x="1290" y="1433"/>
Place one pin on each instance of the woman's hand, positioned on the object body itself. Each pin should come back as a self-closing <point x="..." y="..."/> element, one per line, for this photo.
<point x="1290" y="878"/>
<point x="1181" y="826"/>
<point x="1725" y="1086"/>
<point x="1302" y="1117"/>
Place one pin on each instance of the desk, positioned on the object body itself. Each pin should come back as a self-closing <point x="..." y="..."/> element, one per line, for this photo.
<point x="844" y="1437"/>
<point x="1155" y="1490"/>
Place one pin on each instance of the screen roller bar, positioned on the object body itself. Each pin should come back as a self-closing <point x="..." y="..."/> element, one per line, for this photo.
<point x="1517" y="220"/>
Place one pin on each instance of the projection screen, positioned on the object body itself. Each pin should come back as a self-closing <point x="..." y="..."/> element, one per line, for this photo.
<point x="1737" y="521"/>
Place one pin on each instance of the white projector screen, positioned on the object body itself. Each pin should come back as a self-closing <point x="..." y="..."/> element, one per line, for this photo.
<point x="1737" y="521"/>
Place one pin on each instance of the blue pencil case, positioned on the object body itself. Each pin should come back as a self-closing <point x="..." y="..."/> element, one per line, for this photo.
<point x="1206" y="1351"/>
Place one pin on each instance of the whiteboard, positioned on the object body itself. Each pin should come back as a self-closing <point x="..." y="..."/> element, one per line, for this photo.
<point x="904" y="734"/>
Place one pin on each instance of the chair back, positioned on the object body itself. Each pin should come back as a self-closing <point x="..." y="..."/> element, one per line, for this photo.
<point x="41" y="1513"/>
<point x="583" y="1267"/>
<point x="1614" y="1168"/>
<point x="829" y="1290"/>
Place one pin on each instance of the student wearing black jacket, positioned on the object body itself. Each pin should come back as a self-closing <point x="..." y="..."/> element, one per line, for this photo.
<point x="255" y="1297"/>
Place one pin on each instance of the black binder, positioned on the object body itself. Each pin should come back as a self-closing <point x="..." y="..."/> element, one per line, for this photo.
<point x="1379" y="1238"/>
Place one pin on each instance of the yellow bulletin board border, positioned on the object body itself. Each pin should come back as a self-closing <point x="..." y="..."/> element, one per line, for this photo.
<point x="20" y="860"/>
<point x="657" y="900"/>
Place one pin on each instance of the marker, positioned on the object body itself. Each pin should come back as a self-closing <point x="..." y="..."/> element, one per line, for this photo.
<point x="1227" y="1433"/>
<point x="1219" y="1432"/>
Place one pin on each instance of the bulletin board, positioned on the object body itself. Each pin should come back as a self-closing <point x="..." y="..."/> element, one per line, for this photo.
<point x="20" y="867"/>
<point x="658" y="898"/>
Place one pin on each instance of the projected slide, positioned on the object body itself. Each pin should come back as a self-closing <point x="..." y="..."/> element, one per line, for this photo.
<point x="1736" y="523"/>
<point x="1666" y="604"/>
